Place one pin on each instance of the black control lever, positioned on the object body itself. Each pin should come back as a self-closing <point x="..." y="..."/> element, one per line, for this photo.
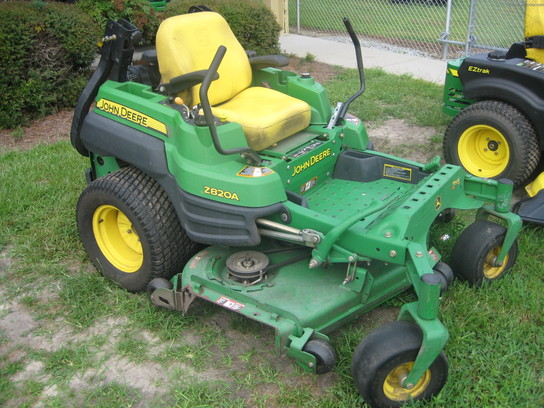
<point x="342" y="108"/>
<point x="246" y="152"/>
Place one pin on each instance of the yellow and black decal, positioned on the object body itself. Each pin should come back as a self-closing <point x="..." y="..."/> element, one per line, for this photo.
<point x="316" y="158"/>
<point x="397" y="172"/>
<point x="131" y="115"/>
<point x="217" y="192"/>
<point x="438" y="203"/>
<point x="479" y="70"/>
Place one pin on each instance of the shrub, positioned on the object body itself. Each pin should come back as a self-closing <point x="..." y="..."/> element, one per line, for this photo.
<point x="138" y="12"/>
<point x="45" y="50"/>
<point x="251" y="21"/>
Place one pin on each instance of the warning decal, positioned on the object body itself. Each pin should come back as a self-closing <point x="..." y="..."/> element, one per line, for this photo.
<point x="230" y="304"/>
<point x="397" y="172"/>
<point x="251" y="171"/>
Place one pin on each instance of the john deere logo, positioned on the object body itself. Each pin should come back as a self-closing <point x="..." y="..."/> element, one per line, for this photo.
<point x="130" y="115"/>
<point x="438" y="203"/>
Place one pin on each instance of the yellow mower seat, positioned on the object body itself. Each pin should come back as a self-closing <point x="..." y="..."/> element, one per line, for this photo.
<point x="188" y="43"/>
<point x="534" y="26"/>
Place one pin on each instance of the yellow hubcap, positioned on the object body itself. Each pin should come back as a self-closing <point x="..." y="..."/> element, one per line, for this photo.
<point x="117" y="238"/>
<point x="483" y="151"/>
<point x="393" y="389"/>
<point x="490" y="270"/>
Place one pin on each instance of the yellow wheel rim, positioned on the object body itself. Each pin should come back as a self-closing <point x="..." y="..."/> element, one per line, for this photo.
<point x="490" y="270"/>
<point x="117" y="238"/>
<point x="483" y="151"/>
<point x="393" y="389"/>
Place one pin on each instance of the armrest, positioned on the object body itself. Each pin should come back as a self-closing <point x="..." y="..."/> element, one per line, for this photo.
<point x="265" y="61"/>
<point x="185" y="81"/>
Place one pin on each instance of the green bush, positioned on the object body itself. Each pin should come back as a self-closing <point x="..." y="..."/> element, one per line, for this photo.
<point x="138" y="12"/>
<point x="45" y="50"/>
<point x="251" y="21"/>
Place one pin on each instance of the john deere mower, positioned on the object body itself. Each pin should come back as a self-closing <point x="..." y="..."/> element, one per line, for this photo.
<point x="234" y="182"/>
<point x="497" y="101"/>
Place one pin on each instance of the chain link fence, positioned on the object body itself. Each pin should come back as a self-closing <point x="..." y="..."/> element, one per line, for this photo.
<point x="437" y="28"/>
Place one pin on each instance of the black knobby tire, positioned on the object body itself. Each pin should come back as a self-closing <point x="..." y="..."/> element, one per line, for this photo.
<point x="474" y="250"/>
<point x="382" y="353"/>
<point x="471" y="139"/>
<point x="156" y="246"/>
<point x="324" y="353"/>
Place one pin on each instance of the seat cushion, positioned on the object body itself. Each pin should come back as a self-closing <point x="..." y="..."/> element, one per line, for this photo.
<point x="267" y="116"/>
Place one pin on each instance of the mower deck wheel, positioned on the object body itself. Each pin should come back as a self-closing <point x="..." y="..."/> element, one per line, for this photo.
<point x="493" y="139"/>
<point x="324" y="354"/>
<point x="475" y="251"/>
<point x="383" y="360"/>
<point x="158" y="283"/>
<point x="130" y="229"/>
<point x="445" y="273"/>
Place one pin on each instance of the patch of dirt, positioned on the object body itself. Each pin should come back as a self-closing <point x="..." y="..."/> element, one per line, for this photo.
<point x="318" y="70"/>
<point x="50" y="129"/>
<point x="396" y="136"/>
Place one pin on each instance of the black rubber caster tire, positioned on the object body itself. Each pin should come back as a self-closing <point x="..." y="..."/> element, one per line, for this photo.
<point x="381" y="355"/>
<point x="158" y="283"/>
<point x="445" y="273"/>
<point x="324" y="354"/>
<point x="474" y="250"/>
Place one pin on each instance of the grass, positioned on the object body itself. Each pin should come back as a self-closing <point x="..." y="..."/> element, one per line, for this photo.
<point x="213" y="358"/>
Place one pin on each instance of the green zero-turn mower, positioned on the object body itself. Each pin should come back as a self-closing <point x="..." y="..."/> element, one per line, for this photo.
<point x="497" y="101"/>
<point x="306" y="227"/>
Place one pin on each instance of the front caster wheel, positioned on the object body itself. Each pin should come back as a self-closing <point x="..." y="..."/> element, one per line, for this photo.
<point x="324" y="354"/>
<point x="383" y="360"/>
<point x="475" y="252"/>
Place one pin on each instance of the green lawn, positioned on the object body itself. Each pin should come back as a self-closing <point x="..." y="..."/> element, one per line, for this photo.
<point x="91" y="344"/>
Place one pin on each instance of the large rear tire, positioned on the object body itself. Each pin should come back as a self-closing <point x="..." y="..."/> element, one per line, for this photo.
<point x="130" y="229"/>
<point x="493" y="139"/>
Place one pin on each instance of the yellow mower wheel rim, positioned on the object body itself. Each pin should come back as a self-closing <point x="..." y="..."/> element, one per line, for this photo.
<point x="491" y="271"/>
<point x="392" y="386"/>
<point x="117" y="239"/>
<point x="483" y="151"/>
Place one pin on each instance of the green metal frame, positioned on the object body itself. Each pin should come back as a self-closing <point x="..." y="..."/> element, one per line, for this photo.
<point x="454" y="100"/>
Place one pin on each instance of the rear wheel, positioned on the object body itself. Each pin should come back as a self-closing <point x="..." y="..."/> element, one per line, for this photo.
<point x="384" y="359"/>
<point x="475" y="252"/>
<point x="493" y="139"/>
<point x="130" y="229"/>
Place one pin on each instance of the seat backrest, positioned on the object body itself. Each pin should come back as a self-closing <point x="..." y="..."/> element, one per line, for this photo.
<point x="188" y="43"/>
<point x="534" y="26"/>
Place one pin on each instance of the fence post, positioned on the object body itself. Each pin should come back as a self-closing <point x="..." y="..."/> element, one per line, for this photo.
<point x="470" y="29"/>
<point x="298" y="16"/>
<point x="446" y="34"/>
